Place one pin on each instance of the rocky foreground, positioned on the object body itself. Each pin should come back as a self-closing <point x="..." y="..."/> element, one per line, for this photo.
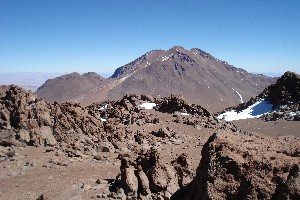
<point x="120" y="150"/>
<point x="29" y="120"/>
<point x="235" y="166"/>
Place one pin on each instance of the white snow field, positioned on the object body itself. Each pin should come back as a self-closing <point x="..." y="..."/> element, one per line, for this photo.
<point x="254" y="111"/>
<point x="148" y="106"/>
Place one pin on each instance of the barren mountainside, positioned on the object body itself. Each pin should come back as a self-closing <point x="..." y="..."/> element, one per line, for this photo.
<point x="69" y="86"/>
<point x="194" y="74"/>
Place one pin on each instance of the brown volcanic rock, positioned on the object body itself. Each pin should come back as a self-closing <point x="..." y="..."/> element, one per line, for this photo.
<point x="235" y="166"/>
<point x="200" y="117"/>
<point x="286" y="90"/>
<point x="177" y="103"/>
<point x="284" y="95"/>
<point x="147" y="177"/>
<point x="30" y="120"/>
<point x="26" y="116"/>
<point x="73" y="123"/>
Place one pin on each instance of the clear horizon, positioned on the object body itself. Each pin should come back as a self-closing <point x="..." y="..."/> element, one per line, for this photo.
<point x="100" y="36"/>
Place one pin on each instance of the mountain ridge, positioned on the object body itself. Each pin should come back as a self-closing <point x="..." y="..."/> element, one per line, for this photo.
<point x="195" y="74"/>
<point x="68" y="86"/>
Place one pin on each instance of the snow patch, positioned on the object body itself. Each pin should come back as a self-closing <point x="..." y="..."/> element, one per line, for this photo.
<point x="164" y="58"/>
<point x="185" y="114"/>
<point x="148" y="106"/>
<point x="124" y="78"/>
<point x="103" y="107"/>
<point x="294" y="113"/>
<point x="147" y="64"/>
<point x="256" y="110"/>
<point x="241" y="98"/>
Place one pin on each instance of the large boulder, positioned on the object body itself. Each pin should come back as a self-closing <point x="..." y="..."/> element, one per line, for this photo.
<point x="236" y="166"/>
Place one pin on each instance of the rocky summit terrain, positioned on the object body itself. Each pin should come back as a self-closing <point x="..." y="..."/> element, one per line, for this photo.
<point x="194" y="74"/>
<point x="142" y="147"/>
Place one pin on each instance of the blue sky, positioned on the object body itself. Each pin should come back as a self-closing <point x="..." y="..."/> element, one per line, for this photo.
<point x="101" y="35"/>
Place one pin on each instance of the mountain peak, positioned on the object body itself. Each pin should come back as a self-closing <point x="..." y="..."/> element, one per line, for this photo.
<point x="194" y="74"/>
<point x="189" y="73"/>
<point x="178" y="48"/>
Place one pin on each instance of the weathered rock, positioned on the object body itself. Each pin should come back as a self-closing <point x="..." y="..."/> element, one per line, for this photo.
<point x="105" y="147"/>
<point x="47" y="136"/>
<point x="153" y="176"/>
<point x="36" y="122"/>
<point x="236" y="166"/>
<point x="24" y="135"/>
<point x="144" y="182"/>
<point x="293" y="183"/>
<point x="163" y="132"/>
<point x="130" y="181"/>
<point x="291" y="188"/>
<point x="182" y="166"/>
<point x="6" y="153"/>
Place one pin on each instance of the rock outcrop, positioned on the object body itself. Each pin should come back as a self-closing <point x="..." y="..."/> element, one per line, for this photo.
<point x="285" y="96"/>
<point x="197" y="115"/>
<point x="236" y="166"/>
<point x="286" y="91"/>
<point x="146" y="177"/>
<point x="25" y="117"/>
<point x="29" y="120"/>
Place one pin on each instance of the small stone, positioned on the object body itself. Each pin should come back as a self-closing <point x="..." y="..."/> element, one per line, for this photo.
<point x="14" y="173"/>
<point x="101" y="181"/>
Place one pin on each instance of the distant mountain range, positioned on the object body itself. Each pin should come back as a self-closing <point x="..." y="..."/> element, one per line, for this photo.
<point x="28" y="80"/>
<point x="32" y="80"/>
<point x="194" y="74"/>
<point x="70" y="86"/>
